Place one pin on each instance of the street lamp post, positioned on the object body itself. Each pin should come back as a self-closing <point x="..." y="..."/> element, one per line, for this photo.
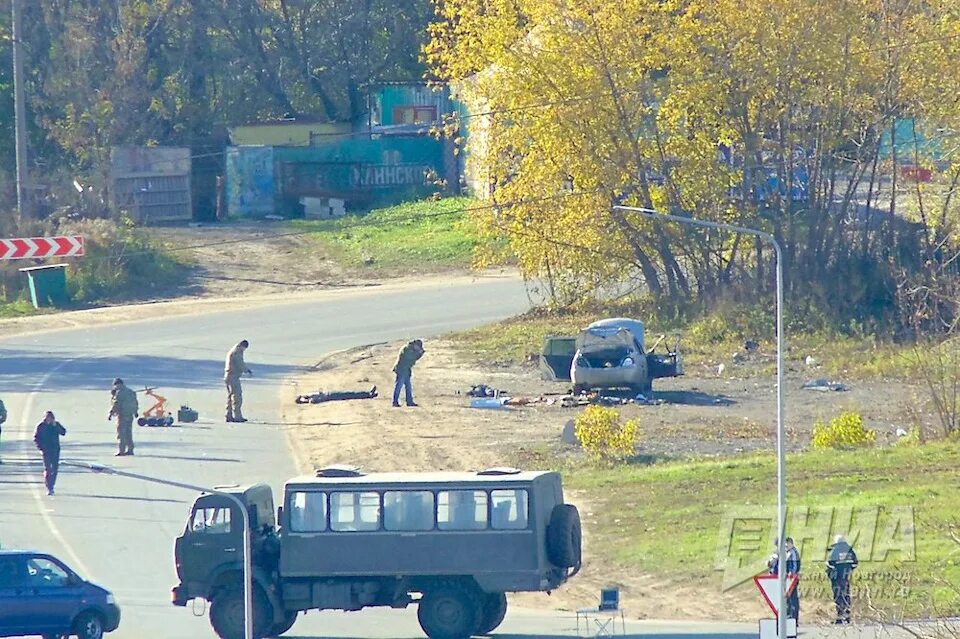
<point x="247" y="569"/>
<point x="781" y="437"/>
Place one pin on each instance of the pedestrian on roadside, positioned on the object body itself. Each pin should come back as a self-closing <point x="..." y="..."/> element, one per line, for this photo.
<point x="840" y="566"/>
<point x="124" y="407"/>
<point x="792" y="565"/>
<point x="47" y="438"/>
<point x="3" y="418"/>
<point x="234" y="367"/>
<point x="408" y="356"/>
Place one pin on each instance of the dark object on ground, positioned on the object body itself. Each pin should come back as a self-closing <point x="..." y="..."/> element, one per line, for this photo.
<point x="335" y="396"/>
<point x="482" y="390"/>
<point x="156" y="421"/>
<point x="187" y="415"/>
<point x="824" y="385"/>
<point x="750" y="345"/>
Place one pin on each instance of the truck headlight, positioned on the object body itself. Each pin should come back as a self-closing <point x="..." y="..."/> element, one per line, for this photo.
<point x="627" y="362"/>
<point x="111" y="600"/>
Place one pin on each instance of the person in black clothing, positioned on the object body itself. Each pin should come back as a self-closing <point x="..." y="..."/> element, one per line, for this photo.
<point x="840" y="565"/>
<point x="47" y="439"/>
<point x="792" y="565"/>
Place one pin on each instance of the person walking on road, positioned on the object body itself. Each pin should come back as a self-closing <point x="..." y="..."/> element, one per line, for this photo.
<point x="3" y="418"/>
<point x="792" y="565"/>
<point x="233" y="368"/>
<point x="409" y="355"/>
<point x="840" y="566"/>
<point x="47" y="438"/>
<point x="124" y="408"/>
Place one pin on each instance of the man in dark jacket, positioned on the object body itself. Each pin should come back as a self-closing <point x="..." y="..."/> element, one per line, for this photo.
<point x="47" y="439"/>
<point x="792" y="565"/>
<point x="124" y="407"/>
<point x="840" y="565"/>
<point x="404" y="370"/>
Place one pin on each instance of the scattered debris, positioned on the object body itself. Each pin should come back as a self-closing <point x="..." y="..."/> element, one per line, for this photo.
<point x="902" y="433"/>
<point x="720" y="369"/>
<point x="482" y="390"/>
<point x="824" y="385"/>
<point x="489" y="402"/>
<point x="751" y="345"/>
<point x="810" y="361"/>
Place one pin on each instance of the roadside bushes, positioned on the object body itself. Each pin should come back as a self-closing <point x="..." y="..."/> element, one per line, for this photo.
<point x="844" y="431"/>
<point x="118" y="263"/>
<point x="604" y="437"/>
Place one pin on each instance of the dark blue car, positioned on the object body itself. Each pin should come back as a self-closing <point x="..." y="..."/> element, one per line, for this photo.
<point x="40" y="595"/>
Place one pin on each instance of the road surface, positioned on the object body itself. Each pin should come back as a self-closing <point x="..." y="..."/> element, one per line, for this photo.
<point x="119" y="532"/>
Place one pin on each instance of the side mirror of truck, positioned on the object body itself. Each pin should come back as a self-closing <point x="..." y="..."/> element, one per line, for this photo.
<point x="279" y="515"/>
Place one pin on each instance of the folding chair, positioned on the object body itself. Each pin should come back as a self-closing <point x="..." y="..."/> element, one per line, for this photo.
<point x="604" y="616"/>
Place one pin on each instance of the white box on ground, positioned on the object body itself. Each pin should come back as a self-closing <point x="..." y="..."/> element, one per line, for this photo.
<point x="768" y="628"/>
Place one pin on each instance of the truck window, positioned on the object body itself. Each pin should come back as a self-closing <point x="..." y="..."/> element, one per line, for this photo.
<point x="308" y="512"/>
<point x="461" y="510"/>
<point x="509" y="509"/>
<point x="408" y="510"/>
<point x="354" y="511"/>
<point x="211" y="520"/>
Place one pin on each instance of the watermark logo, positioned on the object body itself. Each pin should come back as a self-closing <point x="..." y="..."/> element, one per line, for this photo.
<point x="745" y="540"/>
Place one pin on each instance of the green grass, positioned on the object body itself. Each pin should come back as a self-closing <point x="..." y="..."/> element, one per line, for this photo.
<point x="670" y="519"/>
<point x="430" y="234"/>
<point x="18" y="308"/>
<point x="520" y="339"/>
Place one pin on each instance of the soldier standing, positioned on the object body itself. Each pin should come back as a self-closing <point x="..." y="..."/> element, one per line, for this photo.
<point x="840" y="565"/>
<point x="47" y="438"/>
<point x="233" y="368"/>
<point x="409" y="355"/>
<point x="124" y="408"/>
<point x="3" y="418"/>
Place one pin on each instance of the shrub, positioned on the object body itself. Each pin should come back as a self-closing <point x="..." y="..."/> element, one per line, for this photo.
<point x="603" y="436"/>
<point x="844" y="431"/>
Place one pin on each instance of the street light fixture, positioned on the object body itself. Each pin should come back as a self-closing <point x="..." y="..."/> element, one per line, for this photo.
<point x="653" y="214"/>
<point x="247" y="569"/>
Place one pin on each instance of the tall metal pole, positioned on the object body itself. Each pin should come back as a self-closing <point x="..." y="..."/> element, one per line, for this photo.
<point x="247" y="564"/>
<point x="20" y="115"/>
<point x="781" y="438"/>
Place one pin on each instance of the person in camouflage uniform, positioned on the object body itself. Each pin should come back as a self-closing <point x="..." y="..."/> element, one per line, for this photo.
<point x="233" y="368"/>
<point x="404" y="369"/>
<point x="124" y="407"/>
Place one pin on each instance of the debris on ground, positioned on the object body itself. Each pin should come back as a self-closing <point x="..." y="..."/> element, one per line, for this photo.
<point x="335" y="396"/>
<point x="810" y="361"/>
<point x="569" y="433"/>
<point x="824" y="385"/>
<point x="482" y="390"/>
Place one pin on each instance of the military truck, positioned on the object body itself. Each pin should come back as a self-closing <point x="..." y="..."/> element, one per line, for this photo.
<point x="451" y="543"/>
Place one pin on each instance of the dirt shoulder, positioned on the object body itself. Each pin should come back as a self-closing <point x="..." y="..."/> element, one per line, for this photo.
<point x="702" y="416"/>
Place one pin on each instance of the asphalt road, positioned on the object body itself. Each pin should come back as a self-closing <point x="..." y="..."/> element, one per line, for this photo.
<point x="119" y="532"/>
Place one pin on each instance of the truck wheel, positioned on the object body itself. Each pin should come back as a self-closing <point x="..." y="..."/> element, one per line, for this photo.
<point x="578" y="389"/>
<point x="283" y="626"/>
<point x="494" y="610"/>
<point x="88" y="625"/>
<point x="226" y="613"/>
<point x="450" y="612"/>
<point x="563" y="536"/>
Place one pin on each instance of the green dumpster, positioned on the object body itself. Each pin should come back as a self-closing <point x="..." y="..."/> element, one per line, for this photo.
<point x="48" y="284"/>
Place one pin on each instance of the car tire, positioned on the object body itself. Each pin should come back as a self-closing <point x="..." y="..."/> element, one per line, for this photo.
<point x="494" y="610"/>
<point x="451" y="611"/>
<point x="564" y="536"/>
<point x="226" y="613"/>
<point x="283" y="626"/>
<point x="88" y="625"/>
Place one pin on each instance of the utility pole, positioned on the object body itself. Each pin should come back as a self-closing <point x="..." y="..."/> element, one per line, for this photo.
<point x="20" y="116"/>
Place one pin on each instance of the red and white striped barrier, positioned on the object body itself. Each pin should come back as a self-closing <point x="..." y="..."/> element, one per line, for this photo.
<point x="22" y="248"/>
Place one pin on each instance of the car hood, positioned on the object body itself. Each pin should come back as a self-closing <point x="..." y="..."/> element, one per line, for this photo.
<point x="95" y="589"/>
<point x="602" y="338"/>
